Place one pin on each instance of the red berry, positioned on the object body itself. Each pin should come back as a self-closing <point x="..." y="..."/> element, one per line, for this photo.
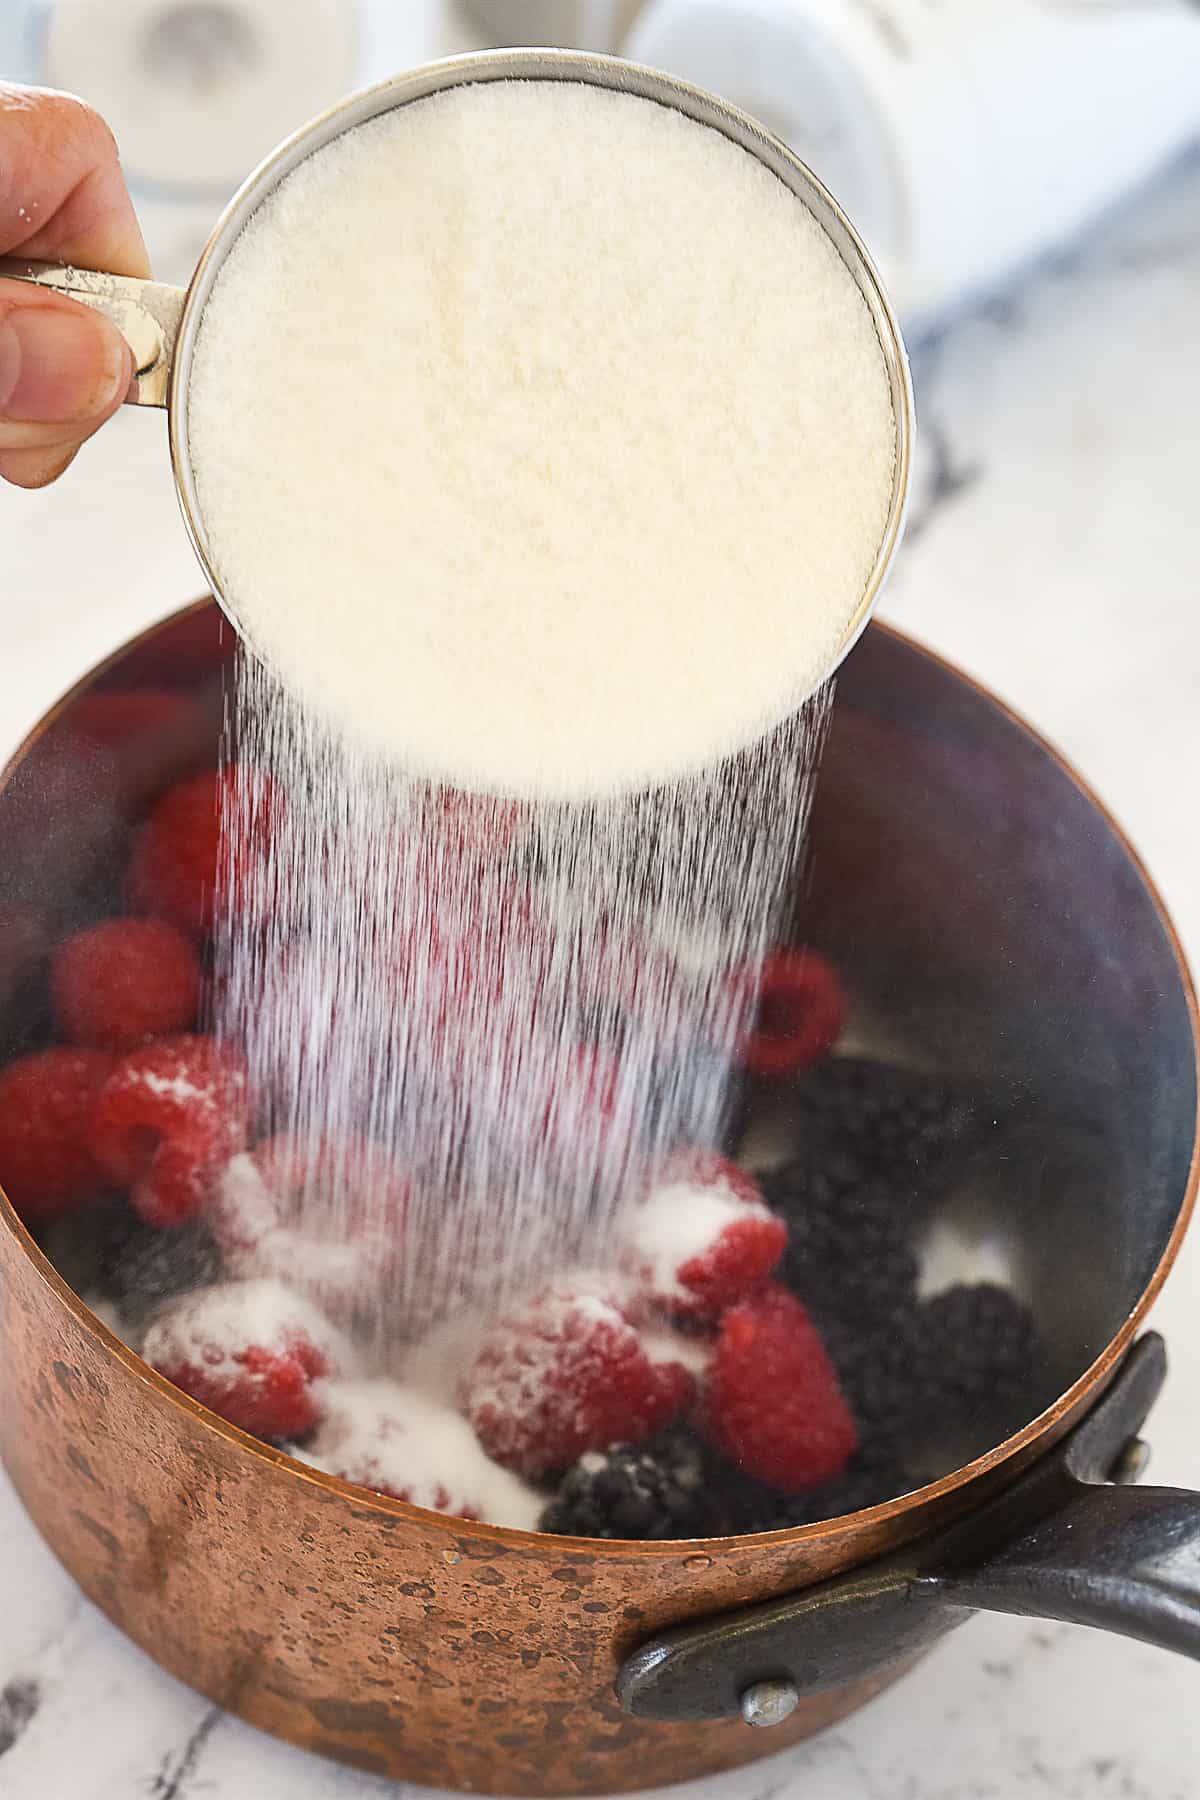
<point x="251" y="1351"/>
<point x="567" y="1375"/>
<point x="46" y="1100"/>
<point x="166" y="1122"/>
<point x="801" y="1009"/>
<point x="703" y="1237"/>
<point x="774" y="1405"/>
<point x="118" y="983"/>
<point x="173" y="872"/>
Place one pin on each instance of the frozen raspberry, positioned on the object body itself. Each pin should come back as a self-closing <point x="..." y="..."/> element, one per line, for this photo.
<point x="774" y="1405"/>
<point x="328" y="1218"/>
<point x="167" y="1121"/>
<point x="251" y="1351"/>
<point x="801" y="1008"/>
<point x="46" y="1162"/>
<point x="173" y="871"/>
<point x="567" y="1375"/>
<point x="413" y="1447"/>
<point x="702" y="1238"/>
<point x="123" y="981"/>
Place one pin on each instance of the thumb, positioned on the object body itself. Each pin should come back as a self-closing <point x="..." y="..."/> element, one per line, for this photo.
<point x="60" y="365"/>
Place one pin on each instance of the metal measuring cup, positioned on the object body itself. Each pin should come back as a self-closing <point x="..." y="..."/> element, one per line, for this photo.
<point x="162" y="323"/>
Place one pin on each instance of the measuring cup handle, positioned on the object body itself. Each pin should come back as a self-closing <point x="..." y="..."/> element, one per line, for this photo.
<point x="146" y="313"/>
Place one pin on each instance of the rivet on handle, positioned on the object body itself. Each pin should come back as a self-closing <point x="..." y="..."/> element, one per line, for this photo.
<point x="769" y="1703"/>
<point x="1131" y="1464"/>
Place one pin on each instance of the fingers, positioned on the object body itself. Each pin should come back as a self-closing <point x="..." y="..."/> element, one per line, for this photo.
<point x="60" y="364"/>
<point x="64" y="370"/>
<point x="35" y="468"/>
<point x="62" y="194"/>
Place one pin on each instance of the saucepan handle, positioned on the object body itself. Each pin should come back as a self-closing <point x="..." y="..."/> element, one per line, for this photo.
<point x="1068" y="1541"/>
<point x="148" y="315"/>
<point x="1123" y="1559"/>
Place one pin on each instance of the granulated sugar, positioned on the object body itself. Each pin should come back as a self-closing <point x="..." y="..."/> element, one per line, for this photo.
<point x="470" y="1024"/>
<point x="414" y="1447"/>
<point x="543" y="440"/>
<point x="326" y="1266"/>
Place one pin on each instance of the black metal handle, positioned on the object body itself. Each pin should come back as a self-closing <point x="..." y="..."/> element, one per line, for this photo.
<point x="1123" y="1559"/>
<point x="1059" y="1544"/>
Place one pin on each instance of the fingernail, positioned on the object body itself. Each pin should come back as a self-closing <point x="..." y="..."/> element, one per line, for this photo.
<point x="58" y="366"/>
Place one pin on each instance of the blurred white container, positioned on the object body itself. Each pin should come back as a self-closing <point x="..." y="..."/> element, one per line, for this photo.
<point x="197" y="91"/>
<point x="963" y="139"/>
<point x="571" y="24"/>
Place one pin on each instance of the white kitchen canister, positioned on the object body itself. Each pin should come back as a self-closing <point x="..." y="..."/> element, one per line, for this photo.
<point x="197" y="91"/>
<point x="573" y="24"/>
<point x="963" y="139"/>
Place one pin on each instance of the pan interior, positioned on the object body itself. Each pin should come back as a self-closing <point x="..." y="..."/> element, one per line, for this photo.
<point x="992" y="924"/>
<point x="986" y="918"/>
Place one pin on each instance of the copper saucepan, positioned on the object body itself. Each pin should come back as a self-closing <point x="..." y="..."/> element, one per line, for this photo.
<point x="985" y="912"/>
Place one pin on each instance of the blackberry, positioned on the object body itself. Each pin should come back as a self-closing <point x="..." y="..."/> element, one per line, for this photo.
<point x="897" y="1120"/>
<point x="872" y="1477"/>
<point x="977" y="1359"/>
<point x="881" y="1371"/>
<point x="141" y="1267"/>
<point x="946" y="1381"/>
<point x="80" y="1244"/>
<point x="849" y="1256"/>
<point x="656" y="1492"/>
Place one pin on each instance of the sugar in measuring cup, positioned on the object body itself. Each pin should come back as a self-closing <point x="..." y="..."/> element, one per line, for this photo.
<point x="555" y="681"/>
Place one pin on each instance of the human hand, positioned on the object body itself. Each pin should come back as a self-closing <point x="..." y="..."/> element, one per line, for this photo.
<point x="64" y="369"/>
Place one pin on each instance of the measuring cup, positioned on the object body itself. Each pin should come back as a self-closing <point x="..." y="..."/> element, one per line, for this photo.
<point x="162" y="323"/>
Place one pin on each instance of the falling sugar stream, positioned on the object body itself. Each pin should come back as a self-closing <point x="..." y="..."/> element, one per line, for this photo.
<point x="476" y="1025"/>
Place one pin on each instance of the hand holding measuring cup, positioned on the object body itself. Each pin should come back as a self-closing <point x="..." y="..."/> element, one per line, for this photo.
<point x="64" y="368"/>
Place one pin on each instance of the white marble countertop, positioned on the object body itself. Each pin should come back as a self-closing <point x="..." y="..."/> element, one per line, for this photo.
<point x="1052" y="553"/>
